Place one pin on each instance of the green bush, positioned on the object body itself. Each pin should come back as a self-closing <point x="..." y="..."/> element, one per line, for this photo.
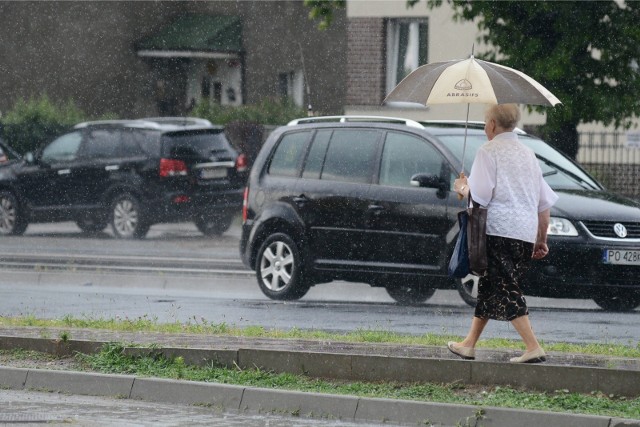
<point x="31" y="123"/>
<point x="267" y="112"/>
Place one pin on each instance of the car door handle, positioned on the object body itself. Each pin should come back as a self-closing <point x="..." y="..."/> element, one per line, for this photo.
<point x="301" y="199"/>
<point x="64" y="171"/>
<point x="375" y="208"/>
<point x="111" y="167"/>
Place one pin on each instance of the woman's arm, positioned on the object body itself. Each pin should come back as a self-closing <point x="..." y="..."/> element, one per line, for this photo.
<point x="540" y="249"/>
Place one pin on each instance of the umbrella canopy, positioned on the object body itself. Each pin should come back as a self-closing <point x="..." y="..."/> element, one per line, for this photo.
<point x="468" y="81"/>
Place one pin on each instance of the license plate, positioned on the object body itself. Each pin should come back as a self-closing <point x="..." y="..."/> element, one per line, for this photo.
<point x="212" y="173"/>
<point x="621" y="257"/>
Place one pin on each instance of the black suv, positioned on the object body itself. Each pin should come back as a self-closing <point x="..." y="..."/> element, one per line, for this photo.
<point x="370" y="200"/>
<point x="130" y="173"/>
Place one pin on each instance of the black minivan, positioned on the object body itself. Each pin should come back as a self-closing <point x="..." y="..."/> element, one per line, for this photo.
<point x="129" y="173"/>
<point x="369" y="199"/>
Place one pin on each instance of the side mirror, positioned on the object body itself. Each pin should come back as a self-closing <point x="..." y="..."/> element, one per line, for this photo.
<point x="427" y="180"/>
<point x="30" y="158"/>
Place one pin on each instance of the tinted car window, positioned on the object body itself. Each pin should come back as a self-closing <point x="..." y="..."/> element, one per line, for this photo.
<point x="63" y="149"/>
<point x="101" y="144"/>
<point x="405" y="155"/>
<point x="288" y="155"/>
<point x="195" y="144"/>
<point x="132" y="144"/>
<point x="350" y="156"/>
<point x="315" y="159"/>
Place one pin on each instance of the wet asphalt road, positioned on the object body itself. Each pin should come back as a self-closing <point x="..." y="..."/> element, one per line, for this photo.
<point x="229" y="293"/>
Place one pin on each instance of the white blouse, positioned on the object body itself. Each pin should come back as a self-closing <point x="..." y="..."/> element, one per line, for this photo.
<point x="506" y="179"/>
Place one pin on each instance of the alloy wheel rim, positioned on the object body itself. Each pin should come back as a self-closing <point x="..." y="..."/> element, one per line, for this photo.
<point x="125" y="217"/>
<point x="276" y="266"/>
<point x="470" y="285"/>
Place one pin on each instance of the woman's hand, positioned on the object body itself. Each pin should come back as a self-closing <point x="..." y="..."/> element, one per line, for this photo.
<point x="540" y="250"/>
<point x="460" y="186"/>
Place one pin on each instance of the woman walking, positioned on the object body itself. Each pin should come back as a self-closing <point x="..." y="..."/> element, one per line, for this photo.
<point x="506" y="179"/>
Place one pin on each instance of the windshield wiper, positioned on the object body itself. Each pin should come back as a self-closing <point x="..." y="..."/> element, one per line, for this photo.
<point x="557" y="167"/>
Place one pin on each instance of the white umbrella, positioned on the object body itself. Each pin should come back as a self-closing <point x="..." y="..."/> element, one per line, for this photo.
<point x="470" y="81"/>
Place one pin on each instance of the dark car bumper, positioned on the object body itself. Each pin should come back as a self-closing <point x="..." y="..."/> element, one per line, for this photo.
<point x="575" y="268"/>
<point x="179" y="205"/>
<point x="245" y="248"/>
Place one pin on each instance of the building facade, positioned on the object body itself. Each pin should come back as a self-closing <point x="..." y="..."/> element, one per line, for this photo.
<point x="147" y="58"/>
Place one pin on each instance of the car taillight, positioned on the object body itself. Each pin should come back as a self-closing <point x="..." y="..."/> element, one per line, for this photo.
<point x="171" y="167"/>
<point x="245" y="199"/>
<point x="241" y="163"/>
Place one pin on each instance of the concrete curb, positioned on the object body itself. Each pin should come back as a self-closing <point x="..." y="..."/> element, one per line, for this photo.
<point x="293" y="403"/>
<point x="544" y="377"/>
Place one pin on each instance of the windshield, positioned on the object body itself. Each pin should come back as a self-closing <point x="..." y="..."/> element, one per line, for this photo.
<point x="558" y="170"/>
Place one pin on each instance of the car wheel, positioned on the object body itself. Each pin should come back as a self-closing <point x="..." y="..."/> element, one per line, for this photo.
<point x="91" y="225"/>
<point x="618" y="300"/>
<point x="127" y="219"/>
<point x="410" y="294"/>
<point x="12" y="220"/>
<point x="213" y="225"/>
<point x="468" y="289"/>
<point x="279" y="269"/>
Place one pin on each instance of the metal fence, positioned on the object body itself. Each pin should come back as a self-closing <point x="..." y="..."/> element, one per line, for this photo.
<point x="613" y="160"/>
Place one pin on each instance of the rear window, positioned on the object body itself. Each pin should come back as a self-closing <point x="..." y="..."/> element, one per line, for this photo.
<point x="196" y="144"/>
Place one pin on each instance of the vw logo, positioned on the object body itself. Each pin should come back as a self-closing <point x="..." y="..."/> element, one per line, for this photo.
<point x="621" y="230"/>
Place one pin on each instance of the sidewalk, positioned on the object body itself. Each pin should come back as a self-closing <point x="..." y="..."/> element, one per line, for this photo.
<point x="348" y="361"/>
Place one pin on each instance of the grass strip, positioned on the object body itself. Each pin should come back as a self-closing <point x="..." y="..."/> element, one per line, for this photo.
<point x="202" y="326"/>
<point x="112" y="359"/>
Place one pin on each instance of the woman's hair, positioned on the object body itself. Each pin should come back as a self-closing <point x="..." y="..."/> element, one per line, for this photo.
<point x="506" y="116"/>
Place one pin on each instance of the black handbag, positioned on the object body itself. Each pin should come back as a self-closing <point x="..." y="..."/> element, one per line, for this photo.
<point x="459" y="262"/>
<point x="477" y="238"/>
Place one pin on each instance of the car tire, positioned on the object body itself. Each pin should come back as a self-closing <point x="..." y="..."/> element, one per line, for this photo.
<point x="127" y="217"/>
<point x="468" y="289"/>
<point x="91" y="225"/>
<point x="212" y="226"/>
<point x="12" y="219"/>
<point x="618" y="300"/>
<point x="279" y="269"/>
<point x="410" y="294"/>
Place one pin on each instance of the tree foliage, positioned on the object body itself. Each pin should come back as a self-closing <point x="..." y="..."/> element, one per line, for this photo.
<point x="267" y="112"/>
<point x="31" y="123"/>
<point x="322" y="11"/>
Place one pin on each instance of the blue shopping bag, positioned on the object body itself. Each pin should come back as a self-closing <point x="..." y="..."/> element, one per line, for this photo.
<point x="459" y="262"/>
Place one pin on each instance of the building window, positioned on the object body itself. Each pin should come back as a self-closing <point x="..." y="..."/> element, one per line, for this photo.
<point x="291" y="86"/>
<point x="407" y="48"/>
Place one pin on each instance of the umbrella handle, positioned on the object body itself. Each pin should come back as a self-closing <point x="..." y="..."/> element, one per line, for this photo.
<point x="460" y="196"/>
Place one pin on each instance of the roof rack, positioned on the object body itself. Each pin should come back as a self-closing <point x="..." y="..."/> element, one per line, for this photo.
<point x="452" y="122"/>
<point x="462" y="123"/>
<point x="180" y="121"/>
<point x="344" y="119"/>
<point x="131" y="123"/>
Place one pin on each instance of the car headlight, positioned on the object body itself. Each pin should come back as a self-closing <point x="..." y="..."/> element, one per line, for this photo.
<point x="561" y="227"/>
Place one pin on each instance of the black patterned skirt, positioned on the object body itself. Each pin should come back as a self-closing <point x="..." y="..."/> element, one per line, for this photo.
<point x="499" y="294"/>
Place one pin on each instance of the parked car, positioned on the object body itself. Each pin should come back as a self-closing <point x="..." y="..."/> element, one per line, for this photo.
<point x="370" y="199"/>
<point x="130" y="173"/>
